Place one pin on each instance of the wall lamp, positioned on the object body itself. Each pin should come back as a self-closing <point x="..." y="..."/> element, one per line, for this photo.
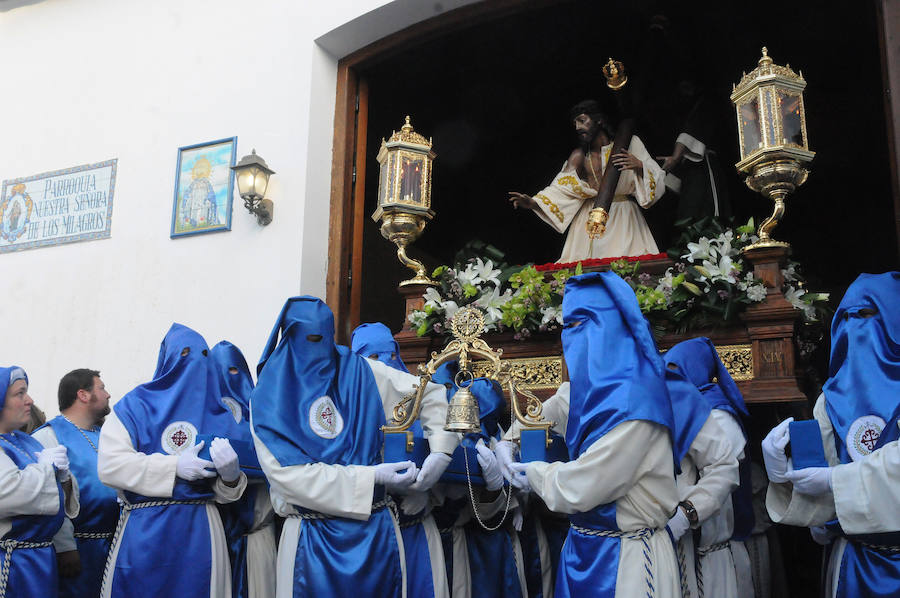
<point x="252" y="174"/>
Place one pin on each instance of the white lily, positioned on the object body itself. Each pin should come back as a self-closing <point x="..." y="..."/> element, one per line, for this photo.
<point x="701" y="250"/>
<point x="491" y="303"/>
<point x="552" y="314"/>
<point x="486" y="272"/>
<point x="726" y="269"/>
<point x="450" y="308"/>
<point x="432" y="298"/>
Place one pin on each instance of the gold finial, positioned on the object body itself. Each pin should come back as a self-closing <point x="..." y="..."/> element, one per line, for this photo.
<point x="615" y="74"/>
<point x="765" y="60"/>
<point x="407" y="134"/>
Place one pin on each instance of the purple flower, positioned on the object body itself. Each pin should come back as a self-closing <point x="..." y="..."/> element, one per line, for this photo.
<point x="554" y="283"/>
<point x="517" y="337"/>
<point x="680" y="266"/>
<point x="542" y="328"/>
<point x="723" y="294"/>
<point x="644" y="277"/>
<point x="438" y="327"/>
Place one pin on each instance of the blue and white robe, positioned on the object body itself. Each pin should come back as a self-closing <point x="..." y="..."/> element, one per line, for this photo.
<point x="32" y="509"/>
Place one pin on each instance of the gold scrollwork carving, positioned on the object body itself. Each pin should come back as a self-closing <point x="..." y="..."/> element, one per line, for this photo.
<point x="738" y="360"/>
<point x="530" y="373"/>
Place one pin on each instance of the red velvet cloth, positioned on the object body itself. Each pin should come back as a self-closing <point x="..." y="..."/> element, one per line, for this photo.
<point x="590" y="263"/>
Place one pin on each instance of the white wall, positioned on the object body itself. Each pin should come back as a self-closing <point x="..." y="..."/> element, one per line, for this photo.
<point x="89" y="80"/>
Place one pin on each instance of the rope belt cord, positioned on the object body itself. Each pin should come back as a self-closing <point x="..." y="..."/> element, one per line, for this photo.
<point x="314" y="516"/>
<point x="93" y="535"/>
<point x="634" y="534"/>
<point x="126" y="507"/>
<point x="8" y="546"/>
<point x="705" y="550"/>
<point x="881" y="547"/>
<point x="642" y="534"/>
<point x="682" y="570"/>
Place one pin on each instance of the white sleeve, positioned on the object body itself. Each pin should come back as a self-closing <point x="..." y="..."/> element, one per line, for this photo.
<point x="554" y="409"/>
<point x="46" y="436"/>
<point x="31" y="490"/>
<point x="695" y="148"/>
<point x="120" y="466"/>
<point x="339" y="490"/>
<point x="393" y="385"/>
<point x="571" y="487"/>
<point x="225" y="493"/>
<point x="561" y="200"/>
<point x="804" y="510"/>
<point x="650" y="186"/>
<point x="715" y="451"/>
<point x="866" y="492"/>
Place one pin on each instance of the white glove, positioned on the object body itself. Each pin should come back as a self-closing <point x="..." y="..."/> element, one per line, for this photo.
<point x="678" y="524"/>
<point x="517" y="519"/>
<point x="190" y="467"/>
<point x="58" y="457"/>
<point x="820" y="535"/>
<point x="505" y="452"/>
<point x="773" y="451"/>
<point x="414" y="502"/>
<point x="225" y="459"/>
<point x="518" y="477"/>
<point x="810" y="480"/>
<point x="432" y="468"/>
<point x="490" y="468"/>
<point x="387" y="475"/>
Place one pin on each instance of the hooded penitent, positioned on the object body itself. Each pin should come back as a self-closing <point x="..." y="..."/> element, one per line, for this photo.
<point x="862" y="399"/>
<point x="317" y="402"/>
<point x="375" y="341"/>
<point x="698" y="382"/>
<point x="166" y="415"/>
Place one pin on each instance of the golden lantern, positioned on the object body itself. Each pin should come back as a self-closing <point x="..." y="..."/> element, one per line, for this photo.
<point x="404" y="194"/>
<point x="772" y="136"/>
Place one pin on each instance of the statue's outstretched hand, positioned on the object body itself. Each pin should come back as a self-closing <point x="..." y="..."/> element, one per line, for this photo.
<point x="520" y="200"/>
<point x="627" y="161"/>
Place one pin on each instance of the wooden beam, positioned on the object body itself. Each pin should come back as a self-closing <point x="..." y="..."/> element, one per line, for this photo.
<point x="888" y="13"/>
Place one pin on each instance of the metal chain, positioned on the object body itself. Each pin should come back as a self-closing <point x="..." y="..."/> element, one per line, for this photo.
<point x="8" y="546"/>
<point x="32" y="458"/>
<point x="82" y="432"/>
<point x="507" y="491"/>
<point x="120" y="525"/>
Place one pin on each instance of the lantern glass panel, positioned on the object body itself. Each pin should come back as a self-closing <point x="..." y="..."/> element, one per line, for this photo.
<point x="750" y="127"/>
<point x="412" y="170"/>
<point x="791" y="124"/>
<point x="246" y="181"/>
<point x="261" y="182"/>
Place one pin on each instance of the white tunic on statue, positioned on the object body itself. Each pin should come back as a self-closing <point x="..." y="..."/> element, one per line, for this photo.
<point x="121" y="467"/>
<point x="347" y="490"/>
<point x="709" y="474"/>
<point x="634" y="460"/>
<point x="863" y="499"/>
<point x="567" y="202"/>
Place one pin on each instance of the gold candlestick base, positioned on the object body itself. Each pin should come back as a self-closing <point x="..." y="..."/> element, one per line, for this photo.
<point x="775" y="179"/>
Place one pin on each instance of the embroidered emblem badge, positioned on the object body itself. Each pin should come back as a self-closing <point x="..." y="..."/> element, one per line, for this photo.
<point x="232" y="405"/>
<point x="178" y="436"/>
<point x="324" y="418"/>
<point x="863" y="435"/>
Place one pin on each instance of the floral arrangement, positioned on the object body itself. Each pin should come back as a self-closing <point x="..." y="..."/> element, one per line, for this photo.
<point x="708" y="286"/>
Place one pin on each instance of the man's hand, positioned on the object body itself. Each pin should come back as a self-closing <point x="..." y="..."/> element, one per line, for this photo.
<point x="432" y="468"/>
<point x="190" y="467"/>
<point x="69" y="563"/>
<point x="519" y="476"/>
<point x="670" y="162"/>
<point x="626" y="161"/>
<point x="520" y="200"/>
<point x="389" y="476"/>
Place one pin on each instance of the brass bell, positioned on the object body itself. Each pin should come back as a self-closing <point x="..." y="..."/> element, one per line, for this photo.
<point x="462" y="413"/>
